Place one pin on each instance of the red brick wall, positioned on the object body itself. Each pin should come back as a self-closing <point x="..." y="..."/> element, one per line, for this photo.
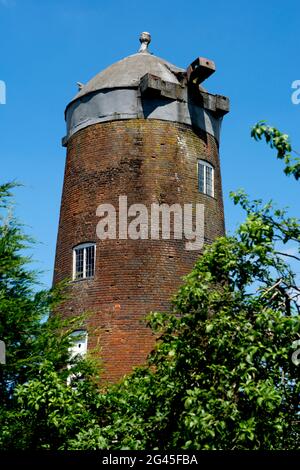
<point x="149" y="161"/>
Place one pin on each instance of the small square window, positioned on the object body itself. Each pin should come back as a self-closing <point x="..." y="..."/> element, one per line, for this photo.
<point x="205" y="178"/>
<point x="84" y="261"/>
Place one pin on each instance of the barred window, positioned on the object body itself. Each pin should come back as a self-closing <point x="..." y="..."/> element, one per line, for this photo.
<point x="84" y="261"/>
<point x="205" y="178"/>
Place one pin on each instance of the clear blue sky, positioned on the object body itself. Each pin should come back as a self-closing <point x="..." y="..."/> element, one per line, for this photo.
<point x="47" y="46"/>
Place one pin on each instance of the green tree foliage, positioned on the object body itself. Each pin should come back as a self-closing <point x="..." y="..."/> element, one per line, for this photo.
<point x="48" y="412"/>
<point x="281" y="143"/>
<point x="221" y="375"/>
<point x="37" y="347"/>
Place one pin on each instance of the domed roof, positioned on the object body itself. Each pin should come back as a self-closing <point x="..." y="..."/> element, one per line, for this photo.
<point x="128" y="72"/>
<point x="143" y="86"/>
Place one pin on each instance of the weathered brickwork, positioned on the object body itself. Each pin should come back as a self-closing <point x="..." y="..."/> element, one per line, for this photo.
<point x="149" y="161"/>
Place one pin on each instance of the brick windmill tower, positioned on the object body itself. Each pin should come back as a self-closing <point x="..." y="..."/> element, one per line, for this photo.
<point x="147" y="131"/>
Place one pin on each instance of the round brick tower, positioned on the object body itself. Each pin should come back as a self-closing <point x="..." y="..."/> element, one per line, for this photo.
<point x="147" y="131"/>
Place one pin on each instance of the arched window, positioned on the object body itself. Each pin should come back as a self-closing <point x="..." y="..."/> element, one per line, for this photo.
<point x="205" y="178"/>
<point x="84" y="257"/>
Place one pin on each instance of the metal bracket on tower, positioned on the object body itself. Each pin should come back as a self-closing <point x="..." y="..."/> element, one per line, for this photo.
<point x="150" y="85"/>
<point x="199" y="70"/>
<point x="218" y="104"/>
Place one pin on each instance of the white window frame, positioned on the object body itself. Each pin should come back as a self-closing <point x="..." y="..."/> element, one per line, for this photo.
<point x="83" y="246"/>
<point x="83" y="334"/>
<point x="74" y="351"/>
<point x="206" y="165"/>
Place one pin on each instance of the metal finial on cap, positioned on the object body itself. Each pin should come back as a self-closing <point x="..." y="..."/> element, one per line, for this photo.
<point x="145" y="39"/>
